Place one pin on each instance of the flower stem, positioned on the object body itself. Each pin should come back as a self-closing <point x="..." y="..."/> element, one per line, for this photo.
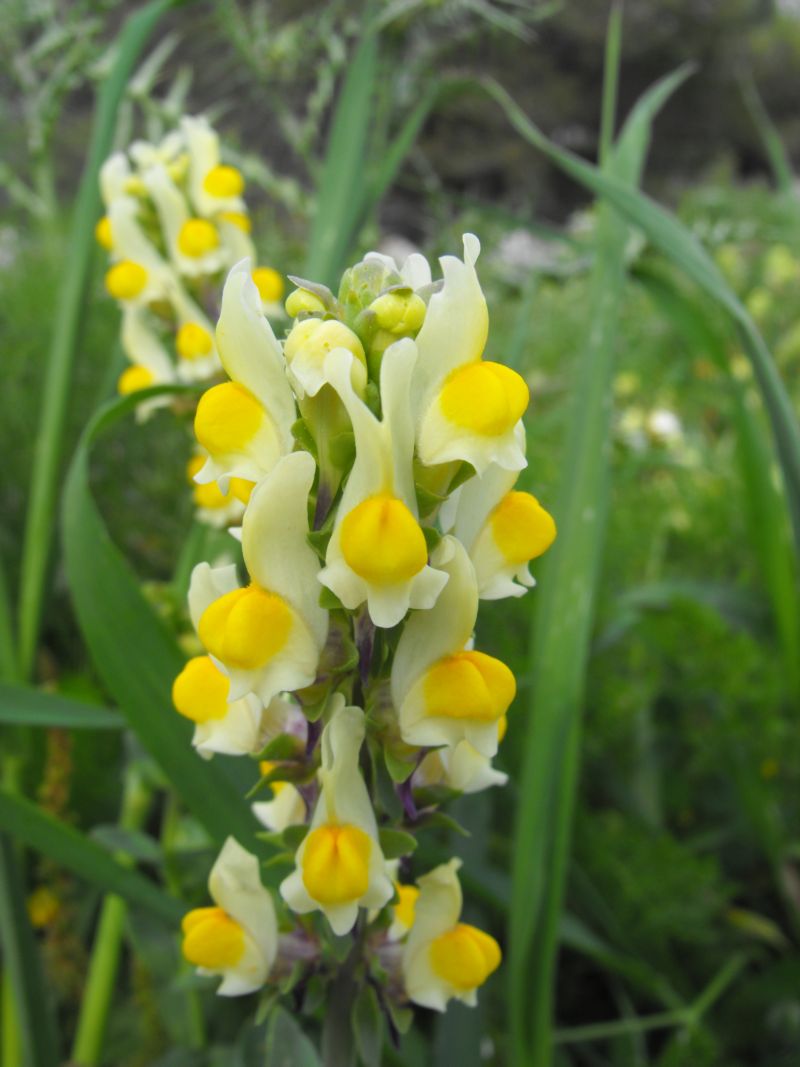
<point x="101" y="981"/>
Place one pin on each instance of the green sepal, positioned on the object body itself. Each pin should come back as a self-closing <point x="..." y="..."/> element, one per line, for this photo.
<point x="287" y="984"/>
<point x="298" y="773"/>
<point x="282" y="747"/>
<point x="368" y="1026"/>
<point x="293" y="836"/>
<point x="402" y="1018"/>
<point x="463" y="474"/>
<point x="430" y="796"/>
<point x="432" y="537"/>
<point x="427" y="501"/>
<point x="399" y="769"/>
<point x="447" y="822"/>
<point x="304" y="437"/>
<point x="283" y="859"/>
<point x="327" y="598"/>
<point x="342" y="450"/>
<point x="396" y="843"/>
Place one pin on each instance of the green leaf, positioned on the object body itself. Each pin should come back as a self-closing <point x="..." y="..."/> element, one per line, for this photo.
<point x="367" y="1019"/>
<point x="399" y="769"/>
<point x="65" y="845"/>
<point x="24" y="706"/>
<point x="293" y="836"/>
<point x="287" y="1045"/>
<point x="282" y="747"/>
<point x="21" y="962"/>
<point x="134" y="653"/>
<point x="396" y="843"/>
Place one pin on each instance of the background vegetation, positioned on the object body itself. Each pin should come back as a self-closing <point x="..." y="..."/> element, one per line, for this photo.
<point x="658" y="660"/>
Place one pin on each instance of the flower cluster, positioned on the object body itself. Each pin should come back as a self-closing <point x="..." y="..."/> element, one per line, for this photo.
<point x="378" y="453"/>
<point x="175" y="224"/>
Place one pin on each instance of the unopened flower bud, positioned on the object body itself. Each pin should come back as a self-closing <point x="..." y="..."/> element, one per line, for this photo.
<point x="400" y="312"/>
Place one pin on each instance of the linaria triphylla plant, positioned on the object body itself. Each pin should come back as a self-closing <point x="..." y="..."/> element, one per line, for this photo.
<point x="175" y="224"/>
<point x="381" y="450"/>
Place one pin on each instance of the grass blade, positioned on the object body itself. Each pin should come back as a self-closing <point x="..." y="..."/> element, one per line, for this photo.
<point x="770" y="138"/>
<point x="674" y="241"/>
<point x="73" y="850"/>
<point x="564" y="616"/>
<point x="48" y="456"/>
<point x="341" y="192"/>
<point x="35" y="1027"/>
<point x="22" y="706"/>
<point x="135" y="655"/>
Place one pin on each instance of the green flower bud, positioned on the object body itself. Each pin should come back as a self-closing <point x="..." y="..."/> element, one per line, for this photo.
<point x="400" y="312"/>
<point x="303" y="300"/>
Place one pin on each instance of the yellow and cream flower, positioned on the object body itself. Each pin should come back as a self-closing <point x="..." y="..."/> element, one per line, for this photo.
<point x="213" y="186"/>
<point x="268" y="635"/>
<point x="443" y="958"/>
<point x="213" y="506"/>
<point x="459" y="767"/>
<point x="195" y="344"/>
<point x="468" y="408"/>
<point x="245" y="424"/>
<point x="200" y="693"/>
<point x="444" y="691"/>
<point x="237" y="938"/>
<point x="339" y="865"/>
<point x="502" y="528"/>
<point x="194" y="243"/>
<point x="377" y="552"/>
<point x="287" y="808"/>
<point x="308" y="346"/>
<point x="403" y="911"/>
<point x="138" y="274"/>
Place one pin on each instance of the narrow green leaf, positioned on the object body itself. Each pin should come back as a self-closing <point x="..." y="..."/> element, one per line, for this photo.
<point x="564" y="616"/>
<point x="133" y="651"/>
<point x="770" y="138"/>
<point x="368" y="1026"/>
<point x="69" y="847"/>
<point x="396" y="843"/>
<point x="24" y="706"/>
<point x="342" y="184"/>
<point x="287" y="1045"/>
<point x="29" y="997"/>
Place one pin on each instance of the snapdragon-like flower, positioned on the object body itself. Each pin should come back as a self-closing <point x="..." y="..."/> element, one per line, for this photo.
<point x="378" y="552"/>
<point x="469" y="408"/>
<point x="339" y="865"/>
<point x="502" y="528"/>
<point x="237" y="938"/>
<point x="245" y="424"/>
<point x="445" y="692"/>
<point x="444" y="958"/>
<point x="267" y="636"/>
